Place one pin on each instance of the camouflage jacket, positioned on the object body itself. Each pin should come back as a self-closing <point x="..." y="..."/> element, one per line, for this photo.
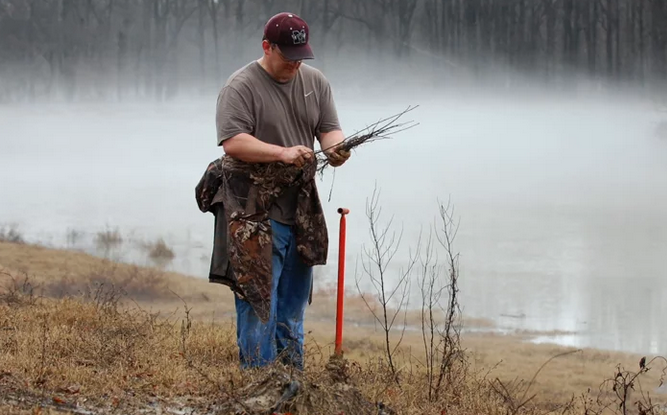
<point x="241" y="194"/>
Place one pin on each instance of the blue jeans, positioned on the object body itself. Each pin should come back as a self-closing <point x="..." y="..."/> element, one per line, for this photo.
<point x="282" y="336"/>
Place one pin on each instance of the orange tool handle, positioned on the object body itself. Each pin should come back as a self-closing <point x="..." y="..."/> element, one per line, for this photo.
<point x="341" y="281"/>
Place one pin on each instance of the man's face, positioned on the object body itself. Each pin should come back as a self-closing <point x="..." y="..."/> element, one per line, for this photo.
<point x="282" y="68"/>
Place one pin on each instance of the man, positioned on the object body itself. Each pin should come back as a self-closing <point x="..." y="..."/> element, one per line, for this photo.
<point x="268" y="114"/>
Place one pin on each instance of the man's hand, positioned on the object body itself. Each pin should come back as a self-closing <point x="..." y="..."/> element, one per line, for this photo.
<point x="331" y="142"/>
<point x="337" y="156"/>
<point x="297" y="155"/>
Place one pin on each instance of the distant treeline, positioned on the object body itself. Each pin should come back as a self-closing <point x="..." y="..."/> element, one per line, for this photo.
<point x="159" y="48"/>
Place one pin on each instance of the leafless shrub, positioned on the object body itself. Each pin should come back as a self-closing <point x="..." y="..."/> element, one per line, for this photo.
<point x="375" y="264"/>
<point x="616" y="395"/>
<point x="108" y="240"/>
<point x="450" y="335"/>
<point x="73" y="237"/>
<point x="159" y="252"/>
<point x="444" y="359"/>
<point x="431" y="295"/>
<point x="17" y="291"/>
<point x="106" y="297"/>
<point x="11" y="233"/>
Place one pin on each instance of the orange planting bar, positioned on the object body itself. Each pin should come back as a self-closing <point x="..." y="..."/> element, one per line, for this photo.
<point x="341" y="281"/>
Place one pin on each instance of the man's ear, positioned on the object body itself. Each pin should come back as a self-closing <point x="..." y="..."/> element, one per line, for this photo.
<point x="266" y="46"/>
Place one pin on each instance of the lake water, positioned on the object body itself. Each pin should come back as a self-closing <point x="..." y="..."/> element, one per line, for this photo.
<point x="561" y="201"/>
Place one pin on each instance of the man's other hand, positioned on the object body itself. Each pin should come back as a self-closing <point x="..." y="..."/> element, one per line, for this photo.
<point x="337" y="156"/>
<point x="297" y="155"/>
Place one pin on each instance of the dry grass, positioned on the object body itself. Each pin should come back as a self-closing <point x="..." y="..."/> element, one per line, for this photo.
<point x="90" y="350"/>
<point x="128" y="339"/>
<point x="90" y="353"/>
<point x="510" y="359"/>
<point x="60" y="273"/>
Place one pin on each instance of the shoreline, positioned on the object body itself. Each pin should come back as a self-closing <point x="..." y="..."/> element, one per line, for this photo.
<point x="356" y="314"/>
<point x="204" y="294"/>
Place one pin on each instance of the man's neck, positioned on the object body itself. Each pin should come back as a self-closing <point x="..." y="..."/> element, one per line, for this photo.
<point x="263" y="64"/>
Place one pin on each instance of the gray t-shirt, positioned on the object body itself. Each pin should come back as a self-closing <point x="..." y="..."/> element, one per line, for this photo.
<point x="286" y="114"/>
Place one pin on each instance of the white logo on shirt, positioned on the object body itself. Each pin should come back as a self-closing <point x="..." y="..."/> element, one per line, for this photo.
<point x="308" y="94"/>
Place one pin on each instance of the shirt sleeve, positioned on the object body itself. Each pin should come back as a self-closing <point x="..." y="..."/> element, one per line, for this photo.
<point x="233" y="115"/>
<point x="328" y="113"/>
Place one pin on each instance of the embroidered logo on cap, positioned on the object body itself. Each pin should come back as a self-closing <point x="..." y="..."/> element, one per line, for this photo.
<point x="299" y="36"/>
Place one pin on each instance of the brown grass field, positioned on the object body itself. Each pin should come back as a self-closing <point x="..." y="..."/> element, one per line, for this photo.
<point x="83" y="335"/>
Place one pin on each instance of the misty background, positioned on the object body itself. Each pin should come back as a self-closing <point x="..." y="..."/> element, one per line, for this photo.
<point x="163" y="49"/>
<point x="543" y="121"/>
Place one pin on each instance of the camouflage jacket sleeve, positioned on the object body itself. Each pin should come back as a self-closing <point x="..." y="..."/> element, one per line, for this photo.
<point x="209" y="186"/>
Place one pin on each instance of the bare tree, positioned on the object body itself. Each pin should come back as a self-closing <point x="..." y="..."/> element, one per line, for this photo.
<point x="376" y="262"/>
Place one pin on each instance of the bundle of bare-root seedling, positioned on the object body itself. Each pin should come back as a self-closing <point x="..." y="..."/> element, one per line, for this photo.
<point x="379" y="130"/>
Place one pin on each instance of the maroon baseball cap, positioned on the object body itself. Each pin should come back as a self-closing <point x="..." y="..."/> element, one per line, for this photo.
<point x="290" y="33"/>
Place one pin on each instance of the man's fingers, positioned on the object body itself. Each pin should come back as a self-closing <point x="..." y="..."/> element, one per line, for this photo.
<point x="300" y="155"/>
<point x="341" y="153"/>
<point x="304" y="154"/>
<point x="335" y="161"/>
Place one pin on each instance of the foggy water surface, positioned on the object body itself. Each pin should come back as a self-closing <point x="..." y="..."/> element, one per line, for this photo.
<point x="561" y="202"/>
